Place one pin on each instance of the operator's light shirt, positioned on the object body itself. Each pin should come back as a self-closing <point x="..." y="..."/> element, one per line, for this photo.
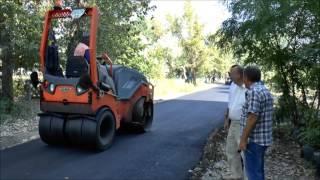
<point x="82" y="50"/>
<point x="236" y="101"/>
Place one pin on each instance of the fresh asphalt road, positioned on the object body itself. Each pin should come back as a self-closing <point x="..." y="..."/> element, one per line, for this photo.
<point x="180" y="129"/>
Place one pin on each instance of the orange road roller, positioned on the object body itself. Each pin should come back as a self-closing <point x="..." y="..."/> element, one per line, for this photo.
<point x="84" y="98"/>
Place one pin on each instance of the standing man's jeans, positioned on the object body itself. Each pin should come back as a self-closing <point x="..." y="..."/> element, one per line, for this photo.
<point x="254" y="161"/>
<point x="232" y="146"/>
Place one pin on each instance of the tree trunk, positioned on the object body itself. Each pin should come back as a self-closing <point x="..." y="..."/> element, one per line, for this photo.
<point x="184" y="73"/>
<point x="194" y="78"/>
<point x="285" y="86"/>
<point x="304" y="95"/>
<point x="318" y="90"/>
<point x="7" y="72"/>
<point x="290" y="102"/>
<point x="1" y="95"/>
<point x="294" y="103"/>
<point x="293" y="99"/>
<point x="314" y="100"/>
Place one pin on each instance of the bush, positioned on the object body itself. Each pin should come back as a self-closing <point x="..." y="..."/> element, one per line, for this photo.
<point x="283" y="109"/>
<point x="21" y="109"/>
<point x="19" y="87"/>
<point x="307" y="131"/>
<point x="311" y="133"/>
<point x="5" y="108"/>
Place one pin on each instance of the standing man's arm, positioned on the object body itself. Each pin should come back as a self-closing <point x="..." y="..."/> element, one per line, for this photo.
<point x="251" y="123"/>
<point x="226" y="120"/>
<point x="226" y="115"/>
<point x="253" y="111"/>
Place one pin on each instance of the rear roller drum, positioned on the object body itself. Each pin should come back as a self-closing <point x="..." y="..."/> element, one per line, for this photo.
<point x="98" y="132"/>
<point x="51" y="129"/>
<point x="74" y="130"/>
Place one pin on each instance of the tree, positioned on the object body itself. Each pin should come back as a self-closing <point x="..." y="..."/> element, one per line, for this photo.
<point x="121" y="25"/>
<point x="281" y="36"/>
<point x="158" y="52"/>
<point x="200" y="56"/>
<point x="189" y="32"/>
<point x="20" y="34"/>
<point x="21" y="26"/>
<point x="120" y="31"/>
<point x="217" y="62"/>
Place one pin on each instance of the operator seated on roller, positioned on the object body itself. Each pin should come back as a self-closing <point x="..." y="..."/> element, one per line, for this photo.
<point x="82" y="48"/>
<point x="106" y="71"/>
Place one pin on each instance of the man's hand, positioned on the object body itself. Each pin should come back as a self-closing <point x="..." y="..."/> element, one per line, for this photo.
<point x="251" y="123"/>
<point x="243" y="144"/>
<point x="106" y="58"/>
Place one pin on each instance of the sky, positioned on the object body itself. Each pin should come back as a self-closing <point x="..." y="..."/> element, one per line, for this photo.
<point x="211" y="13"/>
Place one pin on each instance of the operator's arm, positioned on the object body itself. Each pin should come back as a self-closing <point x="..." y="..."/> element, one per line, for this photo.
<point x="107" y="58"/>
<point x="226" y="115"/>
<point x="87" y="55"/>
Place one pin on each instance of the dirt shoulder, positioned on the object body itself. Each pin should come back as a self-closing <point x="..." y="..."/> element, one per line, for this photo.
<point x="282" y="160"/>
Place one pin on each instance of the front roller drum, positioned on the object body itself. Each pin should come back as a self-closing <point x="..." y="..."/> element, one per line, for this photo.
<point x="97" y="132"/>
<point x="51" y="129"/>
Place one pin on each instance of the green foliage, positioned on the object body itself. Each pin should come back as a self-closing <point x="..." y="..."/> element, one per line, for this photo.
<point x="20" y="27"/>
<point x="311" y="134"/>
<point x="121" y="24"/>
<point x="189" y="32"/>
<point x="154" y="31"/>
<point x="4" y="109"/>
<point x="199" y="56"/>
<point x="282" y="37"/>
<point x="20" y="31"/>
<point x="11" y="111"/>
<point x="217" y="62"/>
<point x="160" y="57"/>
<point x="19" y="87"/>
<point x="120" y="32"/>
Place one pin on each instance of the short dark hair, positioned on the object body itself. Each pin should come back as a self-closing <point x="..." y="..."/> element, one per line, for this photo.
<point x="85" y="40"/>
<point x="239" y="68"/>
<point x="235" y="65"/>
<point x="252" y="73"/>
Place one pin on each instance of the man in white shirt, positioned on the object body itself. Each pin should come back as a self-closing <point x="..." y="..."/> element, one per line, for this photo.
<point x="232" y="121"/>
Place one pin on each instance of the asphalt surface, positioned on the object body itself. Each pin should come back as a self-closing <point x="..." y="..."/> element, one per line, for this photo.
<point x="181" y="127"/>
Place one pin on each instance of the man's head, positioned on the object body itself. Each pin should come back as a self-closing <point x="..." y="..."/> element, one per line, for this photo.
<point x="236" y="74"/>
<point x="251" y="74"/>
